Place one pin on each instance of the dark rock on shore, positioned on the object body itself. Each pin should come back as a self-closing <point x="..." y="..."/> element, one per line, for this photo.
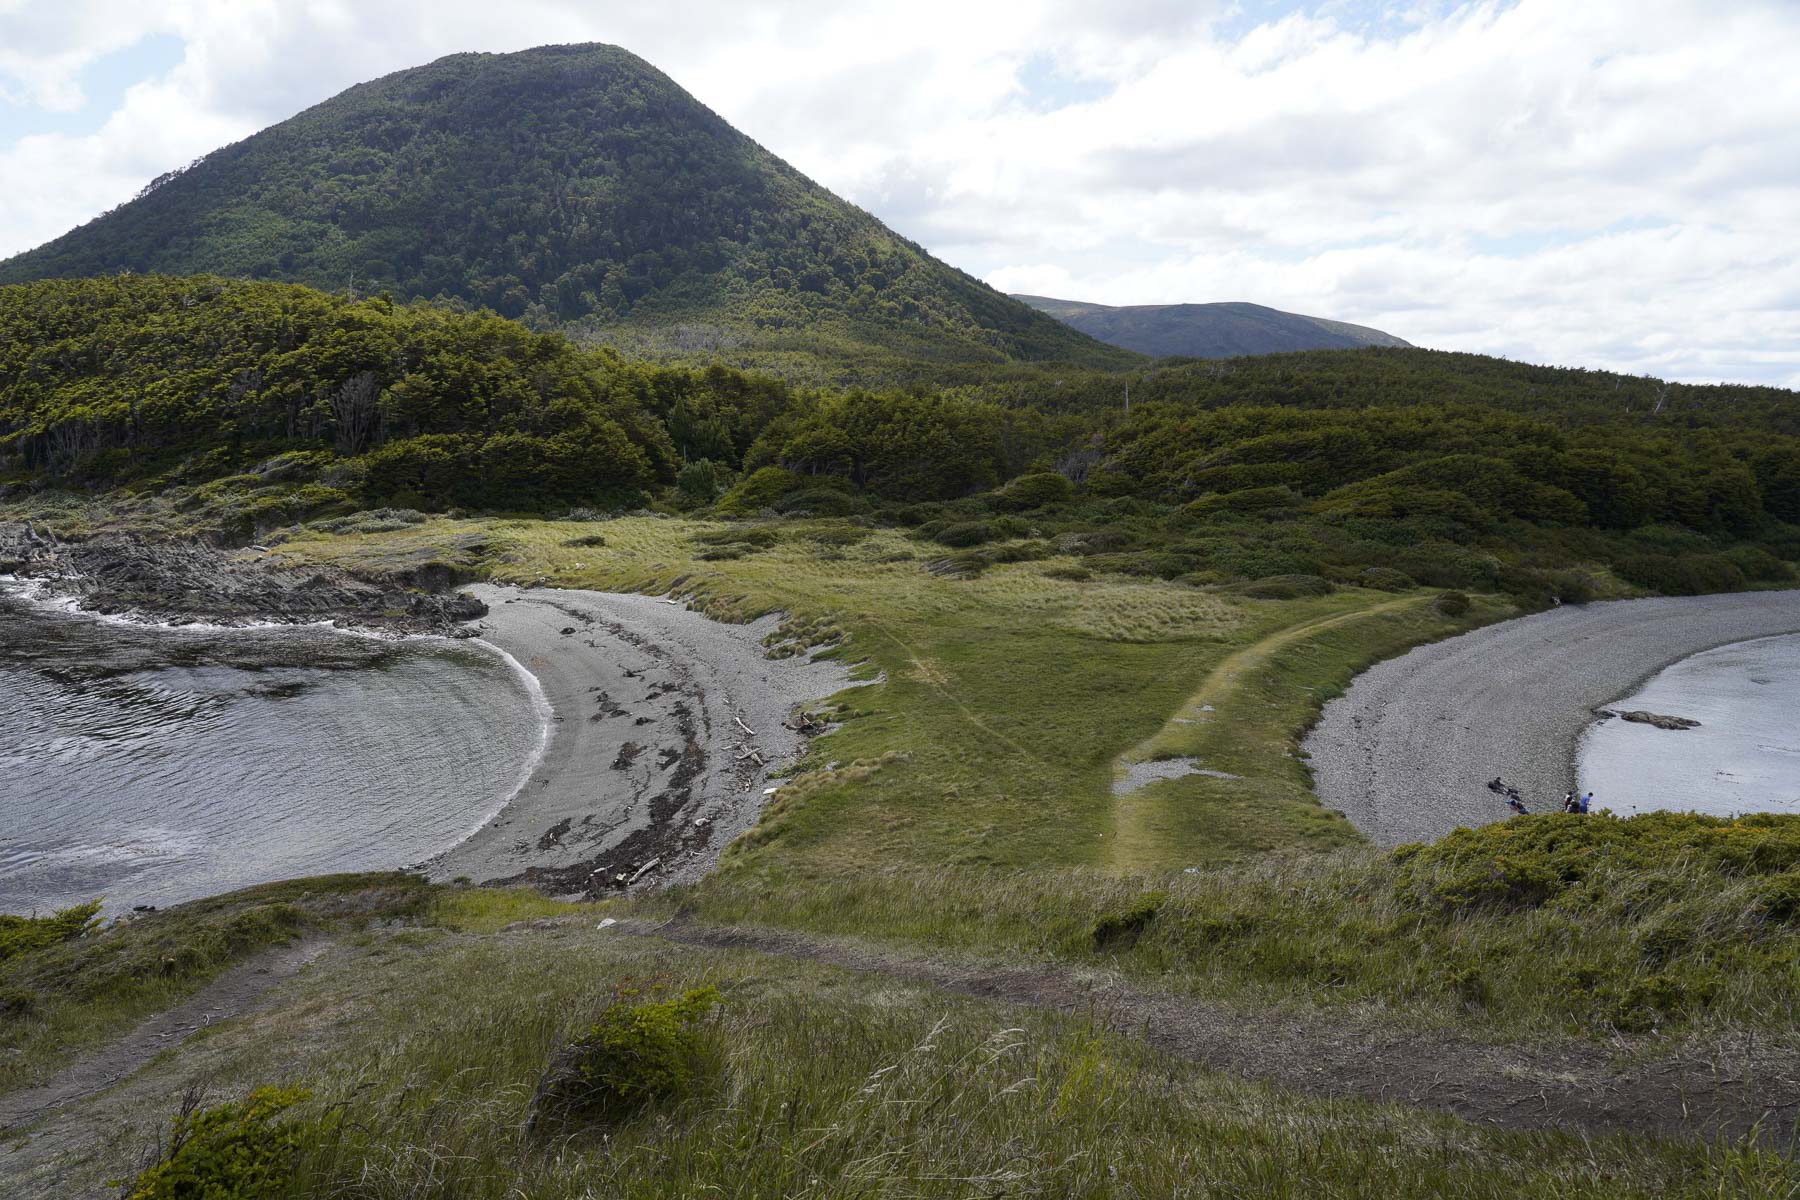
<point x="1641" y="717"/>
<point x="188" y="581"/>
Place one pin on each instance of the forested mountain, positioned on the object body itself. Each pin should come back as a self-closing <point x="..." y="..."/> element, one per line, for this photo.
<point x="1207" y="330"/>
<point x="571" y="185"/>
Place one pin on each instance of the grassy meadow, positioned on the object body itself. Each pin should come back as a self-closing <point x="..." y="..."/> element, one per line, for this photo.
<point x="1005" y="704"/>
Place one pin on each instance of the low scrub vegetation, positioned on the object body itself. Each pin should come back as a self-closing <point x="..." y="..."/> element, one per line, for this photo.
<point x="1534" y="926"/>
<point x="232" y="1151"/>
<point x="640" y="1052"/>
<point x="79" y="983"/>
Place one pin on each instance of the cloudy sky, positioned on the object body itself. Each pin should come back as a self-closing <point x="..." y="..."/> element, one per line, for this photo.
<point x="1610" y="183"/>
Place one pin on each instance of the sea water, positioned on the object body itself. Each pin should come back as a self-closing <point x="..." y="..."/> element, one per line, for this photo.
<point x="150" y="765"/>
<point x="1744" y="756"/>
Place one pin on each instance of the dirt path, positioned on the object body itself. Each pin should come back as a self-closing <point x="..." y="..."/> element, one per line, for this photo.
<point x="1724" y="1087"/>
<point x="232" y="994"/>
<point x="1130" y="845"/>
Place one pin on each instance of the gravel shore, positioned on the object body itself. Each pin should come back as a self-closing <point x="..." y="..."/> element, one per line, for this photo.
<point x="647" y="758"/>
<point x="1407" y="751"/>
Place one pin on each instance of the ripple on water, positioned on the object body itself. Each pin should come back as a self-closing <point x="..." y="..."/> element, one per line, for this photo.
<point x="155" y="765"/>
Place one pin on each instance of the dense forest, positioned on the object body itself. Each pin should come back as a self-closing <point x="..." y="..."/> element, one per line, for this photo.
<point x="275" y="403"/>
<point x="567" y="185"/>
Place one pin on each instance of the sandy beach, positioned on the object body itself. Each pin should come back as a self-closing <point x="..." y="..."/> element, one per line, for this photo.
<point x="655" y="712"/>
<point x="1406" y="752"/>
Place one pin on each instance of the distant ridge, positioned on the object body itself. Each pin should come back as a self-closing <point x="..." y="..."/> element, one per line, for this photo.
<point x="1208" y="330"/>
<point x="573" y="186"/>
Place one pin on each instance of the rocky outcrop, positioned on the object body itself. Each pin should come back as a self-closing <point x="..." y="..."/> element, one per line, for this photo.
<point x="187" y="581"/>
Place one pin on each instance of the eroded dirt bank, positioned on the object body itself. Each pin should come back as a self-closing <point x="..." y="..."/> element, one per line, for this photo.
<point x="666" y="728"/>
<point x="1407" y="751"/>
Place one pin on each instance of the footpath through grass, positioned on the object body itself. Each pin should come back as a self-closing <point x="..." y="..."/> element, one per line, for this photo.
<point x="60" y="999"/>
<point x="422" y="1054"/>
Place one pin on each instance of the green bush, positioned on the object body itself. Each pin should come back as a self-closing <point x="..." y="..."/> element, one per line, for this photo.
<point x="822" y="502"/>
<point x="759" y="490"/>
<point x="1385" y="579"/>
<point x="1530" y="862"/>
<point x="1452" y="604"/>
<point x="760" y="537"/>
<point x="1757" y="564"/>
<point x="21" y="935"/>
<point x="1247" y="500"/>
<point x="1033" y="491"/>
<point x="1692" y="575"/>
<point x="701" y="481"/>
<point x="1120" y="930"/>
<point x="635" y="1055"/>
<point x="1284" y="587"/>
<point x="229" y="1152"/>
<point x="964" y="534"/>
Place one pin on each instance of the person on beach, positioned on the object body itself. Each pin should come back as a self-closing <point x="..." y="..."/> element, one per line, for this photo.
<point x="1586" y="801"/>
<point x="1516" y="805"/>
<point x="1570" y="804"/>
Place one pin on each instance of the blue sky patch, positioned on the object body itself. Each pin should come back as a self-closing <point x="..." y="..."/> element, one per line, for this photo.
<point x="103" y="83"/>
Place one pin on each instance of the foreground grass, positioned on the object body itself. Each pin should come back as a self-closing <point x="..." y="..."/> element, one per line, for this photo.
<point x="61" y="999"/>
<point x="1535" y="929"/>
<point x="422" y="1058"/>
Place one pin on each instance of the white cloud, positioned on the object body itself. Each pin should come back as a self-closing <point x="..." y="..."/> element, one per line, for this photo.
<point x="1607" y="184"/>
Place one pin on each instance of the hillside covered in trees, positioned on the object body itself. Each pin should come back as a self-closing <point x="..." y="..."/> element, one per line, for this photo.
<point x="566" y="185"/>
<point x="268" y="404"/>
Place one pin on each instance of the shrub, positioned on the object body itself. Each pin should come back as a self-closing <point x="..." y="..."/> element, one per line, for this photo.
<point x="964" y="534"/>
<point x="1757" y="564"/>
<point x="636" y="1054"/>
<point x="822" y="502"/>
<point x="1452" y="604"/>
<point x="1248" y="500"/>
<point x="701" y="481"/>
<point x="1284" y="587"/>
<point x="760" y="490"/>
<point x="590" y="541"/>
<point x="1385" y="579"/>
<point x="374" y="520"/>
<point x="1692" y="575"/>
<point x="1120" y="930"/>
<point x="1033" y="491"/>
<point x="1069" y="573"/>
<point x="21" y="935"/>
<point x="1533" y="861"/>
<point x="229" y="1152"/>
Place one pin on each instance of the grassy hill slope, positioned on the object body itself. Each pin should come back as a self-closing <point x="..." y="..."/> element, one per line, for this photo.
<point x="566" y="184"/>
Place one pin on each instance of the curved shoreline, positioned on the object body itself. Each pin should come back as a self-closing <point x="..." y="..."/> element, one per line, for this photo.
<point x="647" y="758"/>
<point x="1405" y="753"/>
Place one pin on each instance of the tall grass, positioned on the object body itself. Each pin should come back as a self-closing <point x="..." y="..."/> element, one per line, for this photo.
<point x="826" y="1085"/>
<point x="1543" y="926"/>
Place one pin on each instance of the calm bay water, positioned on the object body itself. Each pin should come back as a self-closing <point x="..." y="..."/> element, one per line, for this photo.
<point x="1744" y="757"/>
<point x="152" y="765"/>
